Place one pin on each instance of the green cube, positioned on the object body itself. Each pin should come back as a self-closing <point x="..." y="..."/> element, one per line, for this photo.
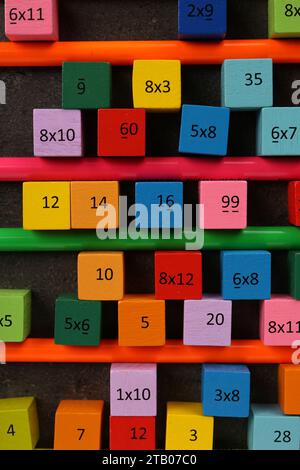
<point x="86" y="85"/>
<point x="284" y="19"/>
<point x="294" y="274"/>
<point x="77" y="322"/>
<point x="15" y="314"/>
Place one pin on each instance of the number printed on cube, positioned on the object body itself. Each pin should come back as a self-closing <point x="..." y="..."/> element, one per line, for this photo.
<point x="201" y="19"/>
<point x="247" y="83"/>
<point x="246" y="275"/>
<point x="284" y="18"/>
<point x="207" y="322"/>
<point x="157" y="85"/>
<point x="289" y="385"/>
<point x="132" y="432"/>
<point x="133" y="389"/>
<point x="57" y="133"/>
<point x="223" y="204"/>
<point x="278" y="131"/>
<point x="15" y="314"/>
<point x="204" y="130"/>
<point x="31" y="20"/>
<point x="270" y="429"/>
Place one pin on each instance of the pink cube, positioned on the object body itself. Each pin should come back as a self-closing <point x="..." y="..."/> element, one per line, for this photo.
<point x="31" y="20"/>
<point x="224" y="204"/>
<point x="207" y="322"/>
<point x="57" y="133"/>
<point x="133" y="390"/>
<point x="280" y="321"/>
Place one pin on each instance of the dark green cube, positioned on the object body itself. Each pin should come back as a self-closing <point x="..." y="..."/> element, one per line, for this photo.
<point x="77" y="322"/>
<point x="86" y="85"/>
<point x="294" y="274"/>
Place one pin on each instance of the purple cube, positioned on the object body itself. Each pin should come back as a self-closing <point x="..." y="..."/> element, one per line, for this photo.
<point x="133" y="390"/>
<point x="207" y="322"/>
<point x="57" y="133"/>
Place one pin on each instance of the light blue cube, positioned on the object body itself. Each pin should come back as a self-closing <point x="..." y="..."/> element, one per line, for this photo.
<point x="159" y="205"/>
<point x="278" y="131"/>
<point x="202" y="19"/>
<point x="246" y="275"/>
<point x="204" y="130"/>
<point x="270" y="429"/>
<point x="225" y="390"/>
<point x="247" y="84"/>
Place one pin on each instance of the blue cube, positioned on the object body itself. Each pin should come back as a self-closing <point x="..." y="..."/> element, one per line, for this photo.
<point x="204" y="130"/>
<point x="278" y="131"/>
<point x="225" y="390"/>
<point x="202" y="19"/>
<point x="270" y="429"/>
<point x="246" y="275"/>
<point x="159" y="205"/>
<point x="247" y="83"/>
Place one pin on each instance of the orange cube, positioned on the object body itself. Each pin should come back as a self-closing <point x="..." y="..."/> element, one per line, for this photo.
<point x="78" y="425"/>
<point x="289" y="386"/>
<point x="141" y="321"/>
<point x="87" y="197"/>
<point x="100" y="275"/>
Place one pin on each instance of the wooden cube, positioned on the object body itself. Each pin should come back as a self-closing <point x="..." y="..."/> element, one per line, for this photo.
<point x="284" y="19"/>
<point x="294" y="274"/>
<point x="132" y="432"/>
<point x="15" y="314"/>
<point x="289" y="385"/>
<point x="294" y="202"/>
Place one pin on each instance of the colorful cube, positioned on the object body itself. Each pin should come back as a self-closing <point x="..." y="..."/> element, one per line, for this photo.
<point x="289" y="385"/>
<point x="141" y="321"/>
<point x="294" y="274"/>
<point x="202" y="19"/>
<point x="36" y="20"/>
<point x="188" y="428"/>
<point x="270" y="429"/>
<point x="86" y="85"/>
<point x="94" y="204"/>
<point x="156" y="85"/>
<point x="100" y="275"/>
<point x="204" y="130"/>
<point x="207" y="322"/>
<point x="19" y="428"/>
<point x="132" y="433"/>
<point x="278" y="131"/>
<point x="279" y="321"/>
<point x="46" y="205"/>
<point x="77" y="322"/>
<point x="78" y="425"/>
<point x="15" y="314"/>
<point x="133" y="389"/>
<point x="57" y="133"/>
<point x="223" y="204"/>
<point x="158" y="205"/>
<point x="246" y="275"/>
<point x="284" y="19"/>
<point x="294" y="202"/>
<point x="178" y="275"/>
<point x="121" y="133"/>
<point x="247" y="84"/>
<point x="225" y="390"/>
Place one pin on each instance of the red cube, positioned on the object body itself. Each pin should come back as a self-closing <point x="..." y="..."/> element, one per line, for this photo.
<point x="132" y="433"/>
<point x="121" y="132"/>
<point x="294" y="202"/>
<point x="178" y="275"/>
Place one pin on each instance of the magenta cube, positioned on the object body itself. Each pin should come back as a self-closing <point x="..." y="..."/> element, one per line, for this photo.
<point x="207" y="322"/>
<point x="57" y="133"/>
<point x="133" y="390"/>
<point x="31" y="20"/>
<point x="224" y="204"/>
<point x="280" y="321"/>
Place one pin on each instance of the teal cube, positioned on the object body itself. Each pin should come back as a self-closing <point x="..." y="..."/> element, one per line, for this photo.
<point x="270" y="429"/>
<point x="86" y="85"/>
<point x="247" y="84"/>
<point x="15" y="314"/>
<point x="77" y="322"/>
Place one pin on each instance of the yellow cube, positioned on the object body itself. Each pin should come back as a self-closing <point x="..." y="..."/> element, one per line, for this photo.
<point x="157" y="85"/>
<point x="19" y="428"/>
<point x="187" y="428"/>
<point x="46" y="206"/>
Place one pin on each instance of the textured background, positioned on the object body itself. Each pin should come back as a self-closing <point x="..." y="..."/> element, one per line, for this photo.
<point x="50" y="274"/>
